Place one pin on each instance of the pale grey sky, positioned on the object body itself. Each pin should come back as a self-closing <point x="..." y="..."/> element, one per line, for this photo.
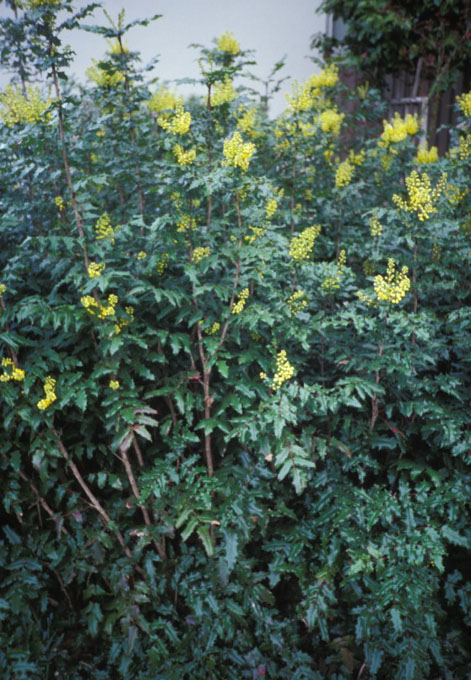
<point x="273" y="28"/>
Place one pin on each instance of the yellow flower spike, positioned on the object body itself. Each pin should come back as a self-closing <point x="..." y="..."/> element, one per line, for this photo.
<point x="330" y="121"/>
<point x="183" y="157"/>
<point x="284" y="370"/>
<point x="236" y="153"/>
<point x="228" y="44"/>
<point x="114" y="384"/>
<point x="104" y="77"/>
<point x="59" y="201"/>
<point x="271" y="207"/>
<point x="376" y="228"/>
<point x="426" y="155"/>
<point x="241" y="300"/>
<point x="310" y="93"/>
<point x="464" y="102"/>
<point x="212" y="330"/>
<point x="49" y="390"/>
<point x="398" y="129"/>
<point x="141" y="255"/>
<point x="178" y="123"/>
<point x="344" y="174"/>
<point x="392" y="287"/>
<point x="332" y="283"/>
<point x="223" y="93"/>
<point x="297" y="302"/>
<point x="2" y="289"/>
<point x="422" y="198"/>
<point x="186" y="223"/>
<point x="200" y="253"/>
<point x="103" y="228"/>
<point x="15" y="374"/>
<point x="162" y="264"/>
<point x="96" y="269"/>
<point x="301" y="246"/>
<point x="163" y="100"/>
<point x="18" y="107"/>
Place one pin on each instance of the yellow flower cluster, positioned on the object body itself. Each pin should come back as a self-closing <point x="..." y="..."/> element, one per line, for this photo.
<point x="162" y="264"/>
<point x="122" y="322"/>
<point x="271" y="207"/>
<point x="32" y="4"/>
<point x="344" y="174"/>
<point x="103" y="228"/>
<point x="104" y="77"/>
<point x="333" y="282"/>
<point x="393" y="286"/>
<point x="223" y="93"/>
<point x="103" y="311"/>
<point x="212" y="330"/>
<point x="422" y="197"/>
<point x="49" y="385"/>
<point x="163" y="100"/>
<point x="96" y="269"/>
<point x="200" y="253"/>
<point x="228" y="44"/>
<point x="59" y="201"/>
<point x="183" y="157"/>
<point x="237" y="153"/>
<point x="284" y="370"/>
<point x="2" y="289"/>
<point x="20" y="108"/>
<point x="330" y="121"/>
<point x="15" y="373"/>
<point x="186" y="223"/>
<point x="398" y="128"/>
<point x="454" y="194"/>
<point x="178" y="123"/>
<point x="356" y="158"/>
<point x="141" y="255"/>
<point x="257" y="232"/>
<point x="376" y="228"/>
<point x="241" y="300"/>
<point x="426" y="155"/>
<point x="301" y="246"/>
<point x="465" y="147"/>
<point x="464" y="102"/>
<point x="307" y="95"/>
<point x="114" y="384"/>
<point x="297" y="302"/>
<point x="247" y="121"/>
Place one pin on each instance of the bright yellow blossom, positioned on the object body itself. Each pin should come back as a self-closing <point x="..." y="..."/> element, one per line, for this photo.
<point x="426" y="155"/>
<point x="183" y="157"/>
<point x="422" y="198"/>
<point x="114" y="384"/>
<point x="178" y="123"/>
<point x="223" y="93"/>
<point x="344" y="174"/>
<point x="241" y="300"/>
<point x="23" y="108"/>
<point x="228" y="44"/>
<point x="14" y="373"/>
<point x="103" y="228"/>
<point x="96" y="269"/>
<point x="236" y="153"/>
<point x="200" y="253"/>
<point x="397" y="129"/>
<point x="393" y="286"/>
<point x="330" y="121"/>
<point x="49" y="385"/>
<point x="163" y="100"/>
<point x="104" y="77"/>
<point x="284" y="370"/>
<point x="301" y="246"/>
<point x="464" y="102"/>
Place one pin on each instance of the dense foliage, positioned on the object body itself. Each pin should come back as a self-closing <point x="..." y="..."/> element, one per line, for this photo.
<point x="235" y="377"/>
<point x="388" y="37"/>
